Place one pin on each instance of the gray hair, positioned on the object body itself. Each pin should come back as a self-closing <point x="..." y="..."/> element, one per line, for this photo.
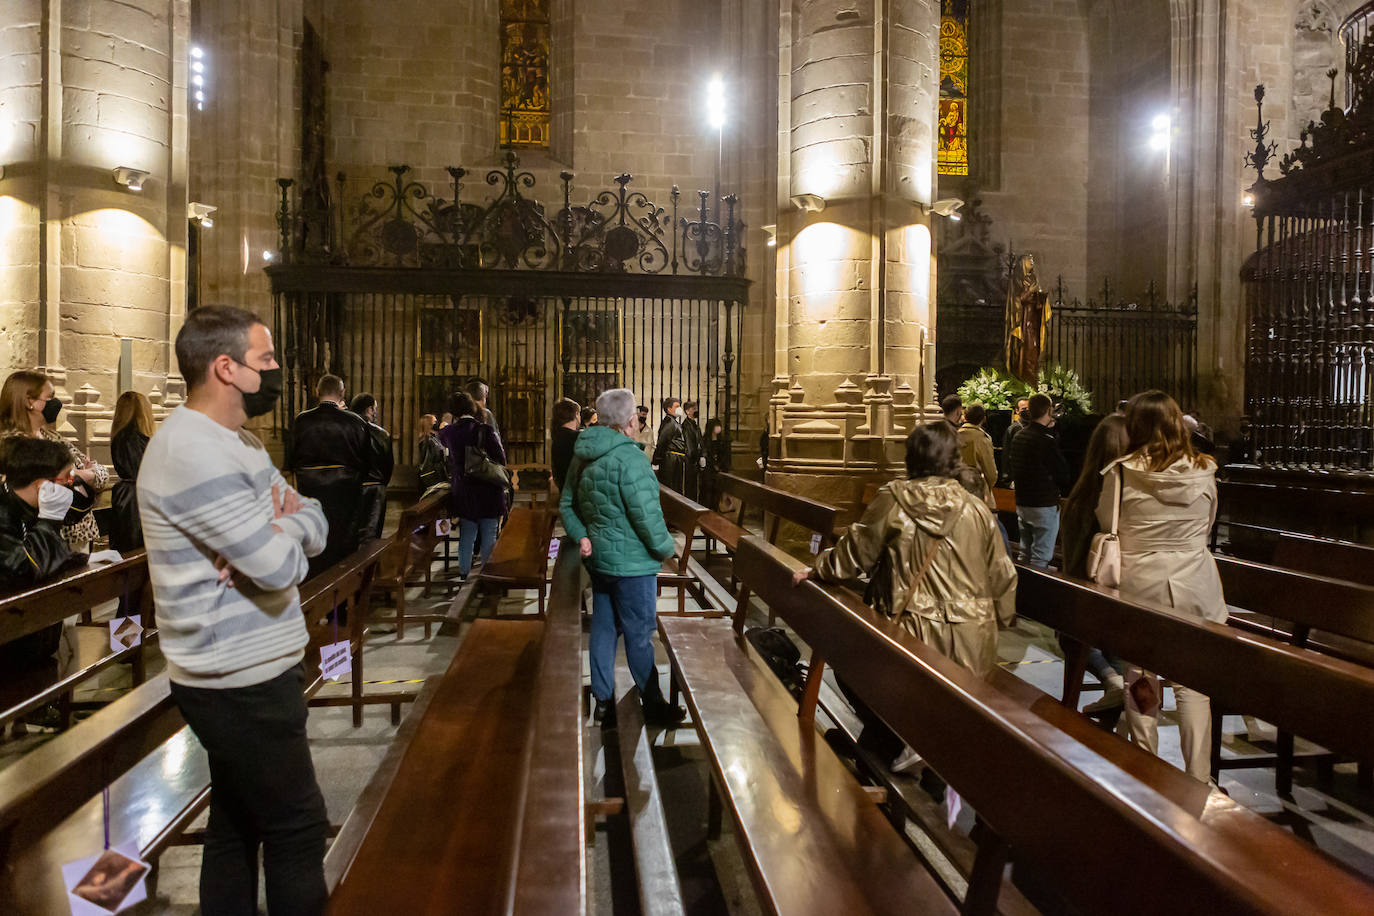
<point x="617" y="407"/>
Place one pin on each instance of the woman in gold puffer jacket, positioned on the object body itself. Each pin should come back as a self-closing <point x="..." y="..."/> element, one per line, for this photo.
<point x="932" y="523"/>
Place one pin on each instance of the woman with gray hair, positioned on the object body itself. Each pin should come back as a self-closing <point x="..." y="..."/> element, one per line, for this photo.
<point x="610" y="507"/>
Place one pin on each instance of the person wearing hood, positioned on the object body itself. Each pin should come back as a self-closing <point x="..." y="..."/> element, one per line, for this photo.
<point x="610" y="506"/>
<point x="1163" y="498"/>
<point x="933" y="554"/>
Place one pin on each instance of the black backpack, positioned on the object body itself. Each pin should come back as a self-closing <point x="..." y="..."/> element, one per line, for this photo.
<point x="781" y="655"/>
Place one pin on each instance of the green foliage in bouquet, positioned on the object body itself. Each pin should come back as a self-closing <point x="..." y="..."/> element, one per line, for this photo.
<point x="994" y="389"/>
<point x="1065" y="388"/>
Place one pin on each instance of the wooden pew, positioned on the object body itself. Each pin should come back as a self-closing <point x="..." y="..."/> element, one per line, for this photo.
<point x="1324" y="699"/>
<point x="481" y="806"/>
<point x="535" y="482"/>
<point x="779" y="506"/>
<point x="684" y="516"/>
<point x="1303" y="553"/>
<point x="34" y="609"/>
<point x="1321" y="510"/>
<point x="520" y="558"/>
<point x="1073" y="814"/>
<point x="51" y="810"/>
<point x="814" y="840"/>
<point x="412" y="554"/>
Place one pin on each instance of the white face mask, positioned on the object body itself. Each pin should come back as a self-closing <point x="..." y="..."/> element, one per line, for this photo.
<point x="679" y="413"/>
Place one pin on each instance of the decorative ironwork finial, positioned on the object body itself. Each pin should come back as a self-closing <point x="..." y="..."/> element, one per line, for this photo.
<point x="284" y="217"/>
<point x="1259" y="157"/>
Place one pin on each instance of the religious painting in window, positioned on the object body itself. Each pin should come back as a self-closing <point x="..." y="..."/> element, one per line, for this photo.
<point x="953" y="126"/>
<point x="589" y="339"/>
<point x="525" y="112"/>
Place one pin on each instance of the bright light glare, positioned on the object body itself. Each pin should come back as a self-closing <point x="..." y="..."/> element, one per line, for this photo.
<point x="200" y="96"/>
<point x="1159" y="141"/>
<point x="1248" y="199"/>
<point x="715" y="102"/>
<point x="267" y="256"/>
<point x="198" y="67"/>
<point x="955" y="217"/>
<point x="198" y="80"/>
<point x="196" y="51"/>
<point x="206" y="222"/>
<point x="1160" y="124"/>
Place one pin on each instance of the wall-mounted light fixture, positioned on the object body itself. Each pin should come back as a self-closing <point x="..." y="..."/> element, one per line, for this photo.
<point x="947" y="207"/>
<point x="268" y="255"/>
<point x="129" y="178"/>
<point x="808" y="203"/>
<point x="1160" y="128"/>
<point x="1248" y="199"/>
<point x="199" y="74"/>
<point x="772" y="232"/>
<point x="200" y="213"/>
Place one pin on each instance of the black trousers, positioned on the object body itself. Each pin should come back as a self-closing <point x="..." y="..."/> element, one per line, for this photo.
<point x="263" y="794"/>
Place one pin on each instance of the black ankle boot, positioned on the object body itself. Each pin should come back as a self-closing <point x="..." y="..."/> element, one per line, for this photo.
<point x="604" y="714"/>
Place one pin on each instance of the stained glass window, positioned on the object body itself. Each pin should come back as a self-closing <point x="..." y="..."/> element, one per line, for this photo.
<point x="953" y="126"/>
<point x="525" y="73"/>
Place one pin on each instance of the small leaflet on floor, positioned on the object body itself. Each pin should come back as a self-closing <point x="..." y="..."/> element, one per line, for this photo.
<point x="336" y="660"/>
<point x="953" y="805"/>
<point x="105" y="883"/>
<point x="125" y="633"/>
<point x="815" y="544"/>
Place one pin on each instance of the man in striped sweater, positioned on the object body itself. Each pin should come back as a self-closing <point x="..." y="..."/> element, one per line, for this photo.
<point x="228" y="540"/>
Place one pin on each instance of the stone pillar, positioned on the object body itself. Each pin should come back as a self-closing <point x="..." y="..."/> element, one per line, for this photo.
<point x="858" y="92"/>
<point x="86" y="89"/>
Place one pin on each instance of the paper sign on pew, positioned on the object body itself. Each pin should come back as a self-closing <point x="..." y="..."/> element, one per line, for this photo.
<point x="442" y="527"/>
<point x="815" y="544"/>
<point x="105" y="883"/>
<point x="336" y="660"/>
<point x="553" y="548"/>
<point x="953" y="805"/>
<point x="125" y="633"/>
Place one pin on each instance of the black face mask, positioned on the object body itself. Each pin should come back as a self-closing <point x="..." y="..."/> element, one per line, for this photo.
<point x="51" y="409"/>
<point x="257" y="403"/>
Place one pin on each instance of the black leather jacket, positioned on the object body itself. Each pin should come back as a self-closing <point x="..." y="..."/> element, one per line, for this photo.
<point x="329" y="437"/>
<point x="31" y="549"/>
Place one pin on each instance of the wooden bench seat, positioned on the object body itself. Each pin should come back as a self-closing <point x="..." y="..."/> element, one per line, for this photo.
<point x="814" y="840"/>
<point x="683" y="516"/>
<point x="410" y="560"/>
<point x="1043" y="798"/>
<point x="520" y="559"/>
<point x="34" y="609"/>
<point x="479" y="805"/>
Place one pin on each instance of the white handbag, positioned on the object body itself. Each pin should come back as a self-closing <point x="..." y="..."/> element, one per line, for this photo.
<point x="1104" y="555"/>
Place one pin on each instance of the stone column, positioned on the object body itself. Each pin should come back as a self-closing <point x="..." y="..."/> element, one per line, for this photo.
<point x="86" y="89"/>
<point x="858" y="92"/>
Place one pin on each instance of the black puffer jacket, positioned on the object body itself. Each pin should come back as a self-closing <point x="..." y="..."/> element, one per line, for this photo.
<point x="31" y="549"/>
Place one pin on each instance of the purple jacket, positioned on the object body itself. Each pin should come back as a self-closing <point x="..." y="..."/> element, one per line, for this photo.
<point x="472" y="499"/>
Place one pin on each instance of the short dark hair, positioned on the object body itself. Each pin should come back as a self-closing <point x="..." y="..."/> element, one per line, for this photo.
<point x="565" y="410"/>
<point x="587" y="414"/>
<point x="642" y="409"/>
<point x="210" y="332"/>
<point x="361" y="403"/>
<point x="329" y="386"/>
<point x="24" y="459"/>
<point x="950" y="404"/>
<point x="689" y="404"/>
<point x="463" y="405"/>
<point x="1040" y="405"/>
<point x="932" y="450"/>
<point x="669" y="402"/>
<point x="976" y="414"/>
<point x="477" y="389"/>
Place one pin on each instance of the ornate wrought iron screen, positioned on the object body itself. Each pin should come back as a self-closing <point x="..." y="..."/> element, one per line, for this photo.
<point x="1309" y="290"/>
<point x="408" y="295"/>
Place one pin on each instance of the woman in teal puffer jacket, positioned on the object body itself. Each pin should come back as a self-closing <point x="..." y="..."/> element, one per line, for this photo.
<point x="610" y="507"/>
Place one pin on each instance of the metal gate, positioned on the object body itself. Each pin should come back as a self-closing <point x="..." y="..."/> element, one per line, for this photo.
<point x="413" y="295"/>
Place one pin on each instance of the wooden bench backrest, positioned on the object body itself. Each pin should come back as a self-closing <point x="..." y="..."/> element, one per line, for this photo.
<point x="32" y="609"/>
<point x="814" y="516"/>
<point x="1320" y="698"/>
<point x="1305" y="510"/>
<point x="1317" y="602"/>
<point x="1067" y="811"/>
<point x="416" y="537"/>
<point x="1302" y="553"/>
<point x="682" y="515"/>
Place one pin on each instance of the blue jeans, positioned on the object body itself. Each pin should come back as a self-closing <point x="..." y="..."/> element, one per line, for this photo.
<point x="1039" y="531"/>
<point x="468" y="531"/>
<point x="624" y="604"/>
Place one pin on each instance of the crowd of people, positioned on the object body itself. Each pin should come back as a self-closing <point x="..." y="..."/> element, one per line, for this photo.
<point x="230" y="540"/>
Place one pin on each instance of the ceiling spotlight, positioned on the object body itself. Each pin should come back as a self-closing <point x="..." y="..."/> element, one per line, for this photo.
<point x="715" y="102"/>
<point x="1160" y="124"/>
<point x="129" y="178"/>
<point x="196" y="51"/>
<point x="808" y="203"/>
<point x="772" y="232"/>
<point x="200" y="213"/>
<point x="267" y="255"/>
<point x="200" y="96"/>
<point x="947" y="207"/>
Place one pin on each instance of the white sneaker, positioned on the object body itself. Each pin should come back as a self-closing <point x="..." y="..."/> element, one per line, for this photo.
<point x="907" y="761"/>
<point x="1113" y="696"/>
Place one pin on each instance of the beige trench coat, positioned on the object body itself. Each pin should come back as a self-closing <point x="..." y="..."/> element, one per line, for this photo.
<point x="1165" y="520"/>
<point x="970" y="585"/>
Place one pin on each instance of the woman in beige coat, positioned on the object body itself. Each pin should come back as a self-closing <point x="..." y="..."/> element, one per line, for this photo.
<point x="1167" y="496"/>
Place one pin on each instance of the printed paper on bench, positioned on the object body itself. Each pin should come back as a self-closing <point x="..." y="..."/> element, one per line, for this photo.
<point x="336" y="660"/>
<point x="125" y="633"/>
<point x="105" y="883"/>
<point x="815" y="544"/>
